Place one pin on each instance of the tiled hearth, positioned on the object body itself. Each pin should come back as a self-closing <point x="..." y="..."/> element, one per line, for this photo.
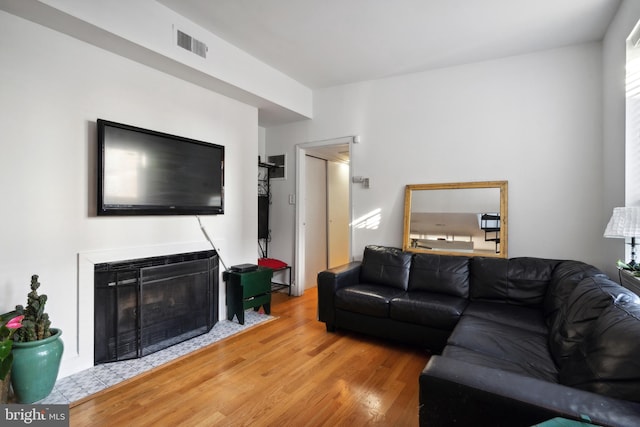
<point x="100" y="377"/>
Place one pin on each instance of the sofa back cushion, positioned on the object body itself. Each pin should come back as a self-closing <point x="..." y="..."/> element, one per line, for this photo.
<point x="443" y="274"/>
<point x="564" y="279"/>
<point x="576" y="317"/>
<point x="519" y="281"/>
<point x="385" y="266"/>
<point x="606" y="361"/>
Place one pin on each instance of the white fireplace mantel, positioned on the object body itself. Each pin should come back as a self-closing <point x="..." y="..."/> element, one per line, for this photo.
<point x="79" y="354"/>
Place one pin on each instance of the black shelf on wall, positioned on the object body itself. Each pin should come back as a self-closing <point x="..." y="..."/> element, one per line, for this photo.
<point x="264" y="201"/>
<point x="267" y="171"/>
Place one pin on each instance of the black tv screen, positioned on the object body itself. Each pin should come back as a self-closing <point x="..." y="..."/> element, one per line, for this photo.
<point x="143" y="172"/>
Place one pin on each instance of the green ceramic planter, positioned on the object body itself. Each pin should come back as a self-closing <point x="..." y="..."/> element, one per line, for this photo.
<point x="35" y="367"/>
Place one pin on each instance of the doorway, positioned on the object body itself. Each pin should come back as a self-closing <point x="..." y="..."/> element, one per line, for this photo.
<point x="323" y="211"/>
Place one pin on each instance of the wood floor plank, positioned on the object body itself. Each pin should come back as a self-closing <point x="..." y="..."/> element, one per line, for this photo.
<point x="287" y="372"/>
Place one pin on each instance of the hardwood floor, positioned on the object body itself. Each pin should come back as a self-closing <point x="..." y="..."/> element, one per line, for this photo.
<point x="286" y="372"/>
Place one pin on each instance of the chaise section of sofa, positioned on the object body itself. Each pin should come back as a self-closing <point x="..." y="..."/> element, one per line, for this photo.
<point x="459" y="393"/>
<point x="562" y="355"/>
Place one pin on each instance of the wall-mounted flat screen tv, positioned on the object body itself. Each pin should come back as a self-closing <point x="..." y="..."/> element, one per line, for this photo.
<point x="143" y="172"/>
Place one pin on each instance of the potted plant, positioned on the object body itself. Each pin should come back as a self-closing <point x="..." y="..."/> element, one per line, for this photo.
<point x="7" y="329"/>
<point x="37" y="350"/>
<point x="632" y="267"/>
<point x="629" y="275"/>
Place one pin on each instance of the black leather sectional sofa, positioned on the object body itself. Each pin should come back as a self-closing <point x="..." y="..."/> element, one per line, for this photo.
<point x="515" y="341"/>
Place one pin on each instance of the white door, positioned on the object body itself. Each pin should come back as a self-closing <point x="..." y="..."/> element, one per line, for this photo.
<point x="315" y="221"/>
<point x="312" y="253"/>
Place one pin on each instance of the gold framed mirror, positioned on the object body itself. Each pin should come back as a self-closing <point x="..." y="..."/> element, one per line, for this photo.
<point x="459" y="218"/>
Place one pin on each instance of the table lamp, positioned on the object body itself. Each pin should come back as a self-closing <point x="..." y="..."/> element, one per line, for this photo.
<point x="625" y="222"/>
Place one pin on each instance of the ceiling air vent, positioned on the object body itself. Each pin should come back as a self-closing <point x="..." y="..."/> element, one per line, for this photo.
<point x="192" y="45"/>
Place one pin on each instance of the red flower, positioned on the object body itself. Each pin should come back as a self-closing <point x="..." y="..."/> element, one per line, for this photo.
<point x="15" y="323"/>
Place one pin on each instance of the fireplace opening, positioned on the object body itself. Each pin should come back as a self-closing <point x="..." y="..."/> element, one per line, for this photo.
<point x="148" y="304"/>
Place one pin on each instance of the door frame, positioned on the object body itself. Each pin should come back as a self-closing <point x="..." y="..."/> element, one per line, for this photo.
<point x="300" y="232"/>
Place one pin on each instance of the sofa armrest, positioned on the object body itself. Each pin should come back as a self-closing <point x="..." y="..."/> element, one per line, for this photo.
<point x="329" y="281"/>
<point x="456" y="392"/>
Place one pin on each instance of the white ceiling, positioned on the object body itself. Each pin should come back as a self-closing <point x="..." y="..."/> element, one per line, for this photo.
<point x="323" y="43"/>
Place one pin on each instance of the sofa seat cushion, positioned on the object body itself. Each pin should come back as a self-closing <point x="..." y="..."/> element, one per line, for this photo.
<point x="526" y="318"/>
<point x="368" y="299"/>
<point x="522" y="350"/>
<point x="428" y="308"/>
<point x="489" y="361"/>
<point x="607" y="361"/>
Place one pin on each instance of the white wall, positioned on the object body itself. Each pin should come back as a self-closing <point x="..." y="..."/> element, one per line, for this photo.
<point x="146" y="30"/>
<point x="150" y="24"/>
<point x="262" y="141"/>
<point x="53" y="88"/>
<point x="534" y="120"/>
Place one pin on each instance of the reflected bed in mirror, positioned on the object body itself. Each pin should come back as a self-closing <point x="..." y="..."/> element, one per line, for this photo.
<point x="461" y="218"/>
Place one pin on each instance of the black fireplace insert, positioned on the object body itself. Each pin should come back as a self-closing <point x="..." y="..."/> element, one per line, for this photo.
<point x="145" y="305"/>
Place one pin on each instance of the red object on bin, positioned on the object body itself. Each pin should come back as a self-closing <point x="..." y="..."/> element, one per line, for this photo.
<point x="273" y="263"/>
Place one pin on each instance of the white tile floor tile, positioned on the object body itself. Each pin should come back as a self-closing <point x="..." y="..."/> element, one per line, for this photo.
<point x="100" y="377"/>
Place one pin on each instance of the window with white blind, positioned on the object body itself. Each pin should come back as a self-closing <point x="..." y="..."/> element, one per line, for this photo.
<point x="632" y="137"/>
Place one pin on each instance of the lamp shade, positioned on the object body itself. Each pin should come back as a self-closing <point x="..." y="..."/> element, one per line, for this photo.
<point x="625" y="222"/>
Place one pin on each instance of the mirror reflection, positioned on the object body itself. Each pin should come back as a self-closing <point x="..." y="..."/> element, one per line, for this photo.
<point x="457" y="218"/>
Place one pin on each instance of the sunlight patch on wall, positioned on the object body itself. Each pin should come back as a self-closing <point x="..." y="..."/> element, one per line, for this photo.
<point x="369" y="221"/>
